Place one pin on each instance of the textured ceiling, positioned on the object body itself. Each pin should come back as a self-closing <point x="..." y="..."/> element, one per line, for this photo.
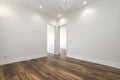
<point x="52" y="7"/>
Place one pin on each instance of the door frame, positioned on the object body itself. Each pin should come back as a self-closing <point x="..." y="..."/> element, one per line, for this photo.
<point x="54" y="37"/>
<point x="58" y="34"/>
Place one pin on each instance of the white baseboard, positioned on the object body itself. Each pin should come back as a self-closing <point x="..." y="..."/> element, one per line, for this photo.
<point x="103" y="62"/>
<point x="18" y="59"/>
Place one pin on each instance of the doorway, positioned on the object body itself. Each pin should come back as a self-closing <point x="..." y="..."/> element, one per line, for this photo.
<point x="63" y="40"/>
<point x="50" y="39"/>
<point x="57" y="40"/>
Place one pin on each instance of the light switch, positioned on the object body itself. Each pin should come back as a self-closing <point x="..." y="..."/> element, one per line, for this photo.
<point x="34" y="29"/>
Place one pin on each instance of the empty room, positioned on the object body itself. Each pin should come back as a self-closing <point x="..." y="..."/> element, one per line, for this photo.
<point x="59" y="39"/>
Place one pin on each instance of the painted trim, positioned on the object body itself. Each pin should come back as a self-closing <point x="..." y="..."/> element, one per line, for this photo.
<point x="98" y="61"/>
<point x="19" y="59"/>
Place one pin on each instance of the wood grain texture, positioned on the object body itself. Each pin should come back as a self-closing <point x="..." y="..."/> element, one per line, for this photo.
<point x="57" y="68"/>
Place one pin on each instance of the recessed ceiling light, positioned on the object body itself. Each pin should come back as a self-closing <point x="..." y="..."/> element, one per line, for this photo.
<point x="59" y="15"/>
<point x="41" y="6"/>
<point x="84" y="2"/>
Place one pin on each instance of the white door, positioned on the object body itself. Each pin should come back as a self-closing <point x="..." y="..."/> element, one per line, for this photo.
<point x="51" y="39"/>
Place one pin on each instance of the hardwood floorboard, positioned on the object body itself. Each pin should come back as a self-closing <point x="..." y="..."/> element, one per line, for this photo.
<point x="58" y="73"/>
<point x="74" y="70"/>
<point x="1" y="75"/>
<point x="90" y="70"/>
<point x="57" y="68"/>
<point x="94" y="66"/>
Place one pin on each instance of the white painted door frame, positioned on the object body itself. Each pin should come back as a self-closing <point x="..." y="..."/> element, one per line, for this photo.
<point x="51" y="45"/>
<point x="58" y="38"/>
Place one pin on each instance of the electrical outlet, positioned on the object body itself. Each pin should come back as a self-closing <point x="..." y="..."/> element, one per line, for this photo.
<point x="5" y="56"/>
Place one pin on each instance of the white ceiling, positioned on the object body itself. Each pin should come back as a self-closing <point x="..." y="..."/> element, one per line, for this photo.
<point x="53" y="7"/>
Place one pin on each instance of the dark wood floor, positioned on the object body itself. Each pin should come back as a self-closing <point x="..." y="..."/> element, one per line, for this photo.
<point x="56" y="68"/>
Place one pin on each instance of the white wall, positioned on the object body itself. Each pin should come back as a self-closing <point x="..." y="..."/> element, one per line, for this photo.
<point x="22" y="33"/>
<point x="94" y="33"/>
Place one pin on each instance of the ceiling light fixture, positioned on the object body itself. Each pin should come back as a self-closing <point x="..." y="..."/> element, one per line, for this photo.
<point x="66" y="4"/>
<point x="59" y="15"/>
<point x="84" y="2"/>
<point x="41" y="6"/>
